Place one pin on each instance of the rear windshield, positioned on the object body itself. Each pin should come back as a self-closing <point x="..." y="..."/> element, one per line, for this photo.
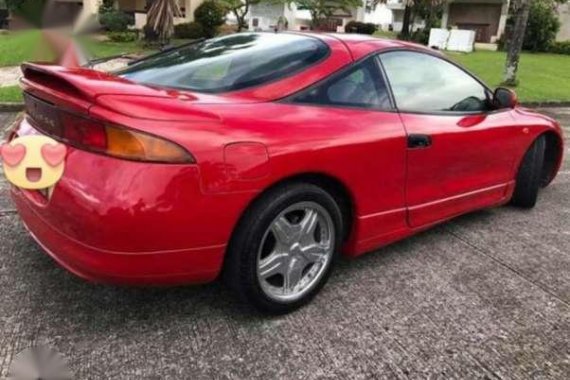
<point x="229" y="63"/>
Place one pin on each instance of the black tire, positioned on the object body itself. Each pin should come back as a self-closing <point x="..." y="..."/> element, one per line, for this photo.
<point x="529" y="175"/>
<point x="240" y="269"/>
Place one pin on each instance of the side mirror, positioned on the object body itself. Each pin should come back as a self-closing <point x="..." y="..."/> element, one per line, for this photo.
<point x="505" y="98"/>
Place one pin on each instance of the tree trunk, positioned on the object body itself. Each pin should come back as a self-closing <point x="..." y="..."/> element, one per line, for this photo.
<point x="315" y="20"/>
<point x="516" y="42"/>
<point x="406" y="22"/>
<point x="241" y="24"/>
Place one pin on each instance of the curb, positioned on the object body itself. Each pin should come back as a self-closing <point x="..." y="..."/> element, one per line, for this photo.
<point x="11" y="107"/>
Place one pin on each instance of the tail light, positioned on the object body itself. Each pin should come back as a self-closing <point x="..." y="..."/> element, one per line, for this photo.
<point x="105" y="138"/>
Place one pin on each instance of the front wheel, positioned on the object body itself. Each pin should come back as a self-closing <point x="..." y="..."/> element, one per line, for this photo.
<point x="529" y="175"/>
<point x="285" y="247"/>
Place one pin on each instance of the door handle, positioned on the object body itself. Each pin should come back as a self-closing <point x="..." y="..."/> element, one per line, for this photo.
<point x="417" y="141"/>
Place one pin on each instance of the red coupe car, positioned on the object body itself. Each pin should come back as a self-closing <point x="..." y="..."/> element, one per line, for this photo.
<point x="261" y="157"/>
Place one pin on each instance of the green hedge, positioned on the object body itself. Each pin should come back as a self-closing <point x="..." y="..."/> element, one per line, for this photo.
<point x="189" y="30"/>
<point x="560" y="48"/>
<point x="360" y="27"/>
<point x="115" y="21"/>
<point x="123" y="36"/>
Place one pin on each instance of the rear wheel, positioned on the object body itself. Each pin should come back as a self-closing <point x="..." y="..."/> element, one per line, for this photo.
<point x="285" y="247"/>
<point x="529" y="175"/>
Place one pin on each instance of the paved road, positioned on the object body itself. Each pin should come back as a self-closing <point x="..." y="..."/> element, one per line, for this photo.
<point x="484" y="296"/>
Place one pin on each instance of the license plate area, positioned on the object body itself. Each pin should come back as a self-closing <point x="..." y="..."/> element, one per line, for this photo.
<point x="43" y="115"/>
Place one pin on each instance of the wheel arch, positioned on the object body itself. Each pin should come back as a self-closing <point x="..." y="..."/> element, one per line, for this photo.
<point x="553" y="157"/>
<point x="334" y="186"/>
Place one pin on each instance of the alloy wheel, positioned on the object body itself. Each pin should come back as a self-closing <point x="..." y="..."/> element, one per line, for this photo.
<point x="295" y="252"/>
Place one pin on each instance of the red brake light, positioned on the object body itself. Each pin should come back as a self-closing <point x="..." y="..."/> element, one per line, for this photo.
<point x="84" y="132"/>
<point x="105" y="138"/>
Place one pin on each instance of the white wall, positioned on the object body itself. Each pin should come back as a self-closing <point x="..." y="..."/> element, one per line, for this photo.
<point x="564" y="14"/>
<point x="381" y="15"/>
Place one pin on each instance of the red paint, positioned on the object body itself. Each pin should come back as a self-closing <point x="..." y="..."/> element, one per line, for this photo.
<point x="123" y="221"/>
<point x="246" y="161"/>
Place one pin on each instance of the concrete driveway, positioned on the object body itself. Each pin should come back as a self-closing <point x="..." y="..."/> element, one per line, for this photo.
<point x="484" y="296"/>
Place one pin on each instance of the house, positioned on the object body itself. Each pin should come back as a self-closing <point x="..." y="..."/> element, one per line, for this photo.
<point x="85" y="10"/>
<point x="488" y="18"/>
<point x="267" y="15"/>
<point x="397" y="7"/>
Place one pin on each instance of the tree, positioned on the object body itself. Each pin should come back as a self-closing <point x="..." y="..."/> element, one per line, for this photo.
<point x="542" y="26"/>
<point x="211" y="14"/>
<point x="240" y="9"/>
<point x="30" y="10"/>
<point x="520" y="13"/>
<point x="160" y="18"/>
<point x="321" y="10"/>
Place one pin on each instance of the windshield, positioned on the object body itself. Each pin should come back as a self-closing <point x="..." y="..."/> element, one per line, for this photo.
<point x="229" y="63"/>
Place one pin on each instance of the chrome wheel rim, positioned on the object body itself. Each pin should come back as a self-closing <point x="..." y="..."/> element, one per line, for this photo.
<point x="295" y="251"/>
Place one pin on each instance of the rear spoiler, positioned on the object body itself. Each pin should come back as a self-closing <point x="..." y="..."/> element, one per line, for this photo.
<point x="53" y="83"/>
<point x="80" y="83"/>
<point x="79" y="88"/>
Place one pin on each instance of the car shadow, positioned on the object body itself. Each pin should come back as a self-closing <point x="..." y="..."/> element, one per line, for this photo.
<point x="80" y="303"/>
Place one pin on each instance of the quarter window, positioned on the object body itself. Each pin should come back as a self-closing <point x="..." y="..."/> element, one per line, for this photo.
<point x="424" y="83"/>
<point x="360" y="86"/>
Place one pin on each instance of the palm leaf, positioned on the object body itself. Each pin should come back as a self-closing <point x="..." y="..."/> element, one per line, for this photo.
<point x="161" y="17"/>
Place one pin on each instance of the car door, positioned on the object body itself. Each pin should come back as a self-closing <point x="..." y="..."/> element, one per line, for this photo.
<point x="459" y="156"/>
<point x="355" y="111"/>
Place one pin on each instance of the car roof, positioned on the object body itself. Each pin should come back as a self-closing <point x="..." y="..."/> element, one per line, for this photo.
<point x="360" y="45"/>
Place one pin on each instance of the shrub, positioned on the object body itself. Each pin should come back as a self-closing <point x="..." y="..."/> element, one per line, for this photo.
<point x="561" y="47"/>
<point x="543" y="24"/>
<point x="189" y="30"/>
<point x="360" y="27"/>
<point x="115" y="21"/>
<point x="211" y="15"/>
<point x="106" y="6"/>
<point x="150" y="35"/>
<point x="122" y="36"/>
<point x="369" y="28"/>
<point x="420" y="36"/>
<point x="226" y="29"/>
<point x="29" y="10"/>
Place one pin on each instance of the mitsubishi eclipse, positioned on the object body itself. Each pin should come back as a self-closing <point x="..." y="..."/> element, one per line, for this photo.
<point x="262" y="157"/>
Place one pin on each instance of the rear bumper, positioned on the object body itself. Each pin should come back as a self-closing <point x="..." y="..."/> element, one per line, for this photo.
<point x="196" y="265"/>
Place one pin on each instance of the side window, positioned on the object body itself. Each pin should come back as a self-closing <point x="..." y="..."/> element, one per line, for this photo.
<point x="360" y="86"/>
<point x="421" y="82"/>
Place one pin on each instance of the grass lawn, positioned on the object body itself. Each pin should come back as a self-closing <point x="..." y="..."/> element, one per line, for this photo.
<point x="16" y="47"/>
<point x="542" y="77"/>
<point x="10" y="94"/>
<point x="101" y="49"/>
<point x="386" y="34"/>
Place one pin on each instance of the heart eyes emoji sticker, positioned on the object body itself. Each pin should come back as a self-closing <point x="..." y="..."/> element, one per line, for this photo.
<point x="53" y="154"/>
<point x="12" y="154"/>
<point x="33" y="162"/>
